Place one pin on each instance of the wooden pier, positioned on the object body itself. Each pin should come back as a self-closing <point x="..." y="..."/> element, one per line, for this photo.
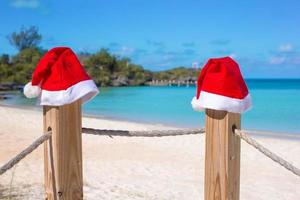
<point x="173" y="83"/>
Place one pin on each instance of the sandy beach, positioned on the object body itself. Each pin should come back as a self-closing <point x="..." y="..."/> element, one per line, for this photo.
<point x="166" y="168"/>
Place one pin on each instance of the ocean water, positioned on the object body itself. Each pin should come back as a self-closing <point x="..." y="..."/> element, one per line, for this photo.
<point x="276" y="105"/>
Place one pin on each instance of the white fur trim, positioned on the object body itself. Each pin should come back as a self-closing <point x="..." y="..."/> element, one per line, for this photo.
<point x="85" y="90"/>
<point x="219" y="102"/>
<point x="31" y="91"/>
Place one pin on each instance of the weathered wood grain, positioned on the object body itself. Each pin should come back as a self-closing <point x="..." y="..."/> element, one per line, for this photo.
<point x="222" y="156"/>
<point x="63" y="153"/>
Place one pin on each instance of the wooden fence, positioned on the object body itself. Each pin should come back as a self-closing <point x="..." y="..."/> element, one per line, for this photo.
<point x="63" y="151"/>
<point x="63" y="154"/>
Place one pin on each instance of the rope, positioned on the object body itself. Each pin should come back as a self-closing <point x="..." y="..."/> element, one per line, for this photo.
<point x="242" y="134"/>
<point x="272" y="134"/>
<point x="152" y="133"/>
<point x="46" y="136"/>
<point x="160" y="133"/>
<point x="25" y="152"/>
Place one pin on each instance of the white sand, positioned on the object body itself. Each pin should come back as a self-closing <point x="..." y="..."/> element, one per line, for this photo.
<point x="167" y="168"/>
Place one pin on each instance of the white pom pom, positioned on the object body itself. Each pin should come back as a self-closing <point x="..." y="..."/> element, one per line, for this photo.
<point x="31" y="91"/>
<point x="196" y="105"/>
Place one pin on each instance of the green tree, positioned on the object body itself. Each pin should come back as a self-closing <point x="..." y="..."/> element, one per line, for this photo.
<point x="6" y="72"/>
<point x="24" y="63"/>
<point x="108" y="69"/>
<point x="101" y="67"/>
<point x="25" y="38"/>
<point x="179" y="73"/>
<point x="4" y="59"/>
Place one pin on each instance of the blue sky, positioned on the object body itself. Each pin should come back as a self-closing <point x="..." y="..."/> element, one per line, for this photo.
<point x="262" y="36"/>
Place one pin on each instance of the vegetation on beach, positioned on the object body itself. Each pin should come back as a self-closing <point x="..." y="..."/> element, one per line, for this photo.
<point x="110" y="70"/>
<point x="178" y="73"/>
<point x="106" y="68"/>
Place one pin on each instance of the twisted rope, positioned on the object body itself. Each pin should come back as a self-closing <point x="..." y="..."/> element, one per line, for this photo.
<point x="272" y="134"/>
<point x="242" y="134"/>
<point x="46" y="136"/>
<point x="152" y="133"/>
<point x="160" y="133"/>
<point x="25" y="152"/>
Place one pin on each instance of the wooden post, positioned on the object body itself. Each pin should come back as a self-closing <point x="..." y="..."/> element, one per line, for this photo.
<point x="63" y="153"/>
<point x="222" y="156"/>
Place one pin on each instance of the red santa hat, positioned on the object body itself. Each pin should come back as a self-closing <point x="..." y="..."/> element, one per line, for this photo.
<point x="60" y="79"/>
<point x="220" y="86"/>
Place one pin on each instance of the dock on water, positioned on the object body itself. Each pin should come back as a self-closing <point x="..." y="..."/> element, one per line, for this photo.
<point x="173" y="83"/>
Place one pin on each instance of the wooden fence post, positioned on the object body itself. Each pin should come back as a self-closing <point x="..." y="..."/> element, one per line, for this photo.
<point x="63" y="153"/>
<point x="222" y="156"/>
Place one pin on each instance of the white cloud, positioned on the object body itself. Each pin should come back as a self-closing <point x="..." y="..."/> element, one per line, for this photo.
<point x="285" y="48"/>
<point x="33" y="4"/>
<point x="277" y="60"/>
<point x="125" y="51"/>
<point x="286" y="54"/>
<point x="167" y="57"/>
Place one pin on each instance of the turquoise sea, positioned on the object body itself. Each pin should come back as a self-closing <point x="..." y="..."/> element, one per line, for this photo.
<point x="276" y="105"/>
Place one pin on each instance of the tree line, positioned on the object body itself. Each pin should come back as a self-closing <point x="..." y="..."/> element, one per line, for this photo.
<point x="104" y="67"/>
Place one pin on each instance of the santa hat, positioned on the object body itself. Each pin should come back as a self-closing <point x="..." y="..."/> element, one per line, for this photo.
<point x="220" y="86"/>
<point x="60" y="79"/>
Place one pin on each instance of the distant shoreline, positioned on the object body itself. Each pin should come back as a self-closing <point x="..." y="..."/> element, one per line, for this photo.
<point x="19" y="86"/>
<point x="171" y="105"/>
<point x="278" y="135"/>
<point x="13" y="87"/>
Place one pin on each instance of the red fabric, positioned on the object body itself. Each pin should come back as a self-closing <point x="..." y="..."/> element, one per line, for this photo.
<point x="58" y="69"/>
<point x="222" y="76"/>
